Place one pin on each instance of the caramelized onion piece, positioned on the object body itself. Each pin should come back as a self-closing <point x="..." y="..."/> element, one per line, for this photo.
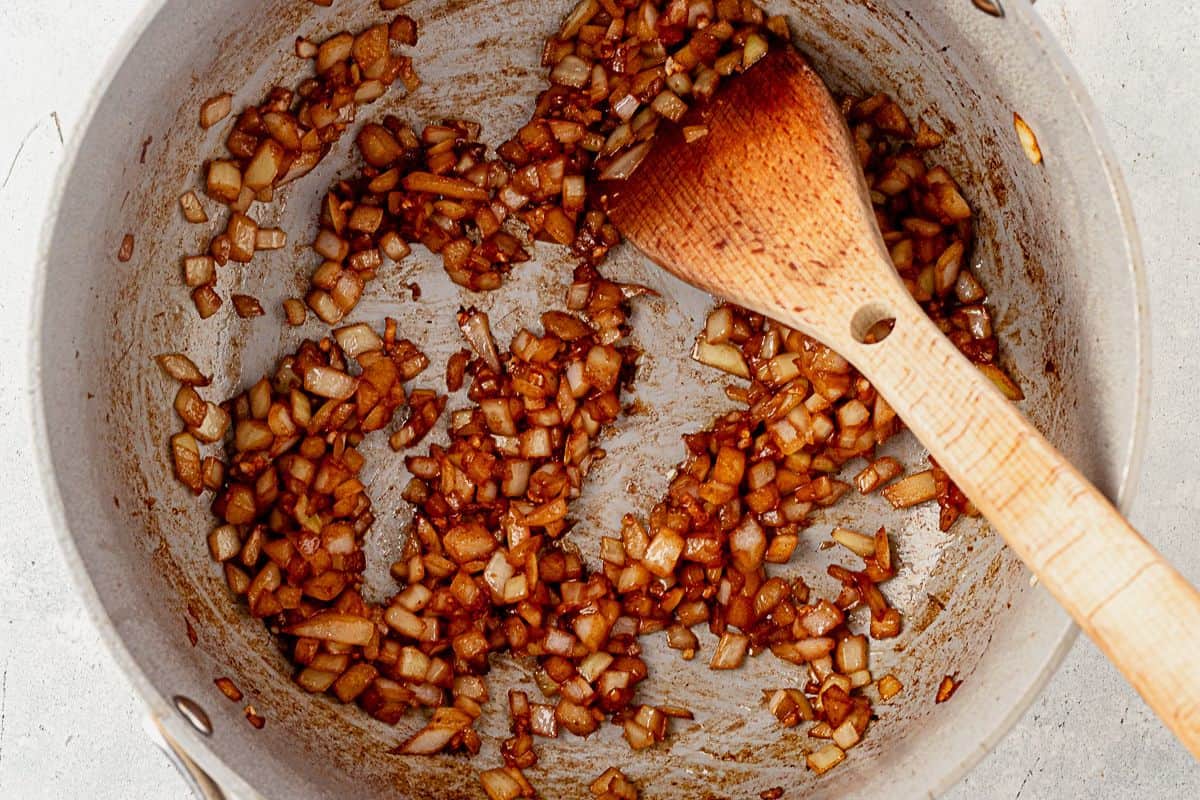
<point x="182" y="369"/>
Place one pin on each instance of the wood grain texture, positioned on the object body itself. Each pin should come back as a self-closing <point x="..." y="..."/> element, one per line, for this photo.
<point x="771" y="211"/>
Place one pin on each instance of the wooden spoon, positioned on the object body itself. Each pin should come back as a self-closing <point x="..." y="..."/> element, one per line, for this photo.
<point x="771" y="211"/>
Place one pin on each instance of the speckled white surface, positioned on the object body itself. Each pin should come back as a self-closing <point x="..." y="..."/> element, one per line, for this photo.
<point x="69" y="725"/>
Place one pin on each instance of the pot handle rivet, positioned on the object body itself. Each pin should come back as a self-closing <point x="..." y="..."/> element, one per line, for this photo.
<point x="194" y="714"/>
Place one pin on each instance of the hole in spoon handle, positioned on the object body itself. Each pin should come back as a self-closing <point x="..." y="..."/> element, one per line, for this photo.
<point x="872" y="323"/>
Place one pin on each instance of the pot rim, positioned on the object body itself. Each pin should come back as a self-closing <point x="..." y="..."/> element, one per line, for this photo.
<point x="195" y="744"/>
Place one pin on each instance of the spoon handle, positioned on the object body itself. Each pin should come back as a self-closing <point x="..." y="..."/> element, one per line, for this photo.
<point x="1132" y="603"/>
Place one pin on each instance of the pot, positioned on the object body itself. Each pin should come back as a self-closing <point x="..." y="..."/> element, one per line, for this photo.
<point x="1056" y="249"/>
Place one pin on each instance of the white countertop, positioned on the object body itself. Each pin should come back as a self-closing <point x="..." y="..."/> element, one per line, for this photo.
<point x="69" y="723"/>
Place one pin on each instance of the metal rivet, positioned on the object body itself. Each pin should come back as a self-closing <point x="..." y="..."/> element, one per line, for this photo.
<point x="194" y="714"/>
<point x="989" y="7"/>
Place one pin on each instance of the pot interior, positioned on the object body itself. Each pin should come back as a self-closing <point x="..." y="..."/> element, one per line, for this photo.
<point x="1047" y="237"/>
